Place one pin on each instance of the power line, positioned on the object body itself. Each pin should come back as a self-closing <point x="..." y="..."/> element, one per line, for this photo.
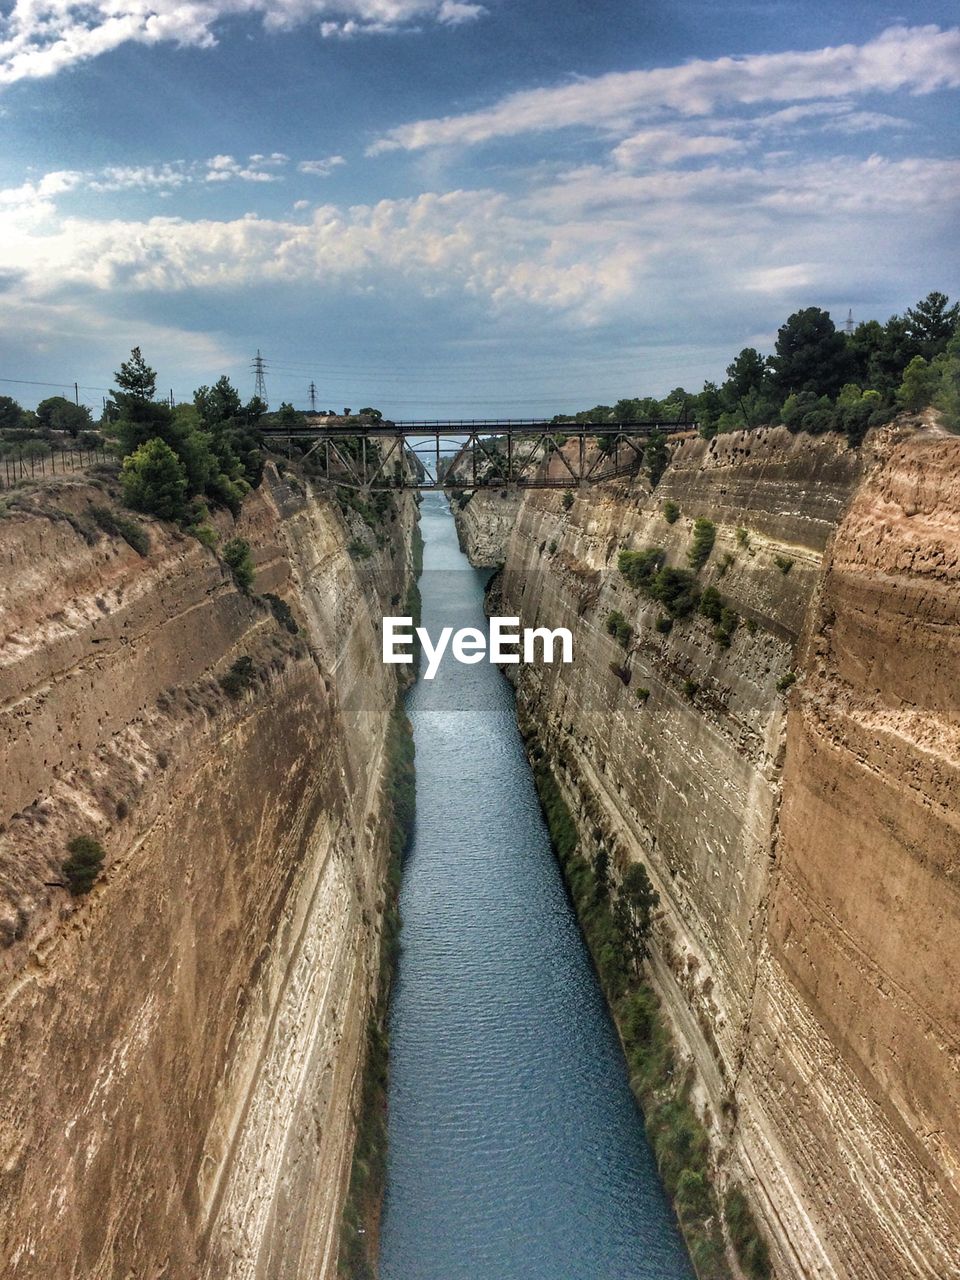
<point x="24" y="382"/>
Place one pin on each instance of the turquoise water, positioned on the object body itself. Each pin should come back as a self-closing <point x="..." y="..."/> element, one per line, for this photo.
<point x="516" y="1149"/>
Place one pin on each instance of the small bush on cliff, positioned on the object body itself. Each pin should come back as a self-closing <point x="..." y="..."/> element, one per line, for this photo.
<point x="786" y="681"/>
<point x="671" y="512"/>
<point x="724" y="618"/>
<point x="236" y="556"/>
<point x="154" y="481"/>
<point x="751" y="1248"/>
<point x="567" y="500"/>
<point x="241" y="677"/>
<point x="676" y="590"/>
<point x="704" y="536"/>
<point x="120" y="526"/>
<point x="358" y="550"/>
<point x="83" y="866"/>
<point x="641" y="567"/>
<point x="619" y="628"/>
<point x="783" y="563"/>
<point x="281" y="611"/>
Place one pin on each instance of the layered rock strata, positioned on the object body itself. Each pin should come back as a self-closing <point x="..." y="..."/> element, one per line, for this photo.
<point x="803" y="837"/>
<point x="180" y="1049"/>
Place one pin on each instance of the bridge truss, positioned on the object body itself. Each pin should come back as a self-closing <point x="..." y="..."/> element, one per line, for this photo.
<point x="470" y="454"/>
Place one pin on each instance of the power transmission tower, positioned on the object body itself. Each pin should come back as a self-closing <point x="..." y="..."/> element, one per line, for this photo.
<point x="848" y="324"/>
<point x="260" y="389"/>
<point x="313" y="397"/>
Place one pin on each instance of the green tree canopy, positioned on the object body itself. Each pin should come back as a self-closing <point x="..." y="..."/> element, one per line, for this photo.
<point x="60" y="414"/>
<point x="135" y="378"/>
<point x="921" y="382"/>
<point x="11" y="415"/>
<point x="810" y="355"/>
<point x="155" y="481"/>
<point x="931" y="324"/>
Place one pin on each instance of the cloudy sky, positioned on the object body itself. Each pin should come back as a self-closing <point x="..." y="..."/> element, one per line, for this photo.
<point x="447" y="207"/>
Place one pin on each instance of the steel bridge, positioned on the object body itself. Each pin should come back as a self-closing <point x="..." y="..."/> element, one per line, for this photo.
<point x="467" y="454"/>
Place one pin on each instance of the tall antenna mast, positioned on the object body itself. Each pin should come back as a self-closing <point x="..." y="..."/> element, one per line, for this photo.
<point x="849" y="325"/>
<point x="313" y="396"/>
<point x="260" y="389"/>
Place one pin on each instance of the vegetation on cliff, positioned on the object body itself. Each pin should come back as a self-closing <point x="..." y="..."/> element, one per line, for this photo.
<point x="819" y="379"/>
<point x="359" y="1234"/>
<point x="81" y="869"/>
<point x="616" y="923"/>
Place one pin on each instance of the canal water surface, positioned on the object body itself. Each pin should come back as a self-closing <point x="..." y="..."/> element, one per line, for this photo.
<point x="516" y="1149"/>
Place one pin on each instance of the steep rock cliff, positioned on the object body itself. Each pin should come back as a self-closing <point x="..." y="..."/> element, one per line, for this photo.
<point x="806" y="862"/>
<point x="180" y="1048"/>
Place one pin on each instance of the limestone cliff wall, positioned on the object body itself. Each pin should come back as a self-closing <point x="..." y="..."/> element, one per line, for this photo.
<point x="484" y="524"/>
<point x="180" y="1049"/>
<point x="803" y="841"/>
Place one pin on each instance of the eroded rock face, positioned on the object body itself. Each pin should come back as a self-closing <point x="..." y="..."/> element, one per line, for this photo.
<point x="180" y="1049"/>
<point x="806" y="860"/>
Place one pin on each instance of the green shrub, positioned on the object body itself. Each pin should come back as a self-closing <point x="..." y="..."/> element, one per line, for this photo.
<point x="671" y="512"/>
<point x="664" y="624"/>
<point x="155" y="481"/>
<point x="120" y="526"/>
<point x="640" y="568"/>
<point x="567" y="500"/>
<point x="236" y="556"/>
<point x="359" y="550"/>
<point x="743" y="537"/>
<point x="553" y="548"/>
<point x="643" y="693"/>
<point x="783" y="563"/>
<point x="690" y="689"/>
<point x="205" y="534"/>
<point x="704" y="536"/>
<point x="281" y="611"/>
<point x="83" y="866"/>
<point x="751" y="626"/>
<point x="724" y="618"/>
<point x="619" y="628"/>
<point x="750" y="1246"/>
<point x="676" y="590"/>
<point x="711" y="604"/>
<point x="787" y="681"/>
<point x="241" y="677"/>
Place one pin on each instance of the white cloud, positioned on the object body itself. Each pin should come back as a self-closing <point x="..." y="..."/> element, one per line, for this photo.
<point x="668" y="146"/>
<point x="227" y="169"/>
<point x="913" y="59"/>
<point x="41" y="37"/>
<point x="597" y="241"/>
<point x="320" y="168"/>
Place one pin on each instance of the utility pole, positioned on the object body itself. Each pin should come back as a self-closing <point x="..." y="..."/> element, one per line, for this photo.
<point x="260" y="389"/>
<point x="76" y="393"/>
<point x="171" y="398"/>
<point x="313" y="396"/>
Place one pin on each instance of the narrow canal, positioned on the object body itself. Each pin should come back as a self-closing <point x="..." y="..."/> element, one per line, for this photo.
<point x="516" y="1148"/>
